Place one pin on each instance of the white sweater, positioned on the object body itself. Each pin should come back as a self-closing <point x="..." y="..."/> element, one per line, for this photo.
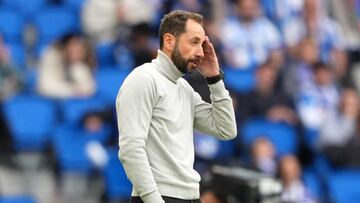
<point x="157" y="111"/>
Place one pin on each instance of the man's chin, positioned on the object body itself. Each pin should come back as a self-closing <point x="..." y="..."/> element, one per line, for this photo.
<point x="191" y="68"/>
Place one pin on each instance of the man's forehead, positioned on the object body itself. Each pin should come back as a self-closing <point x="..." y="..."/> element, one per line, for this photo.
<point x="195" y="29"/>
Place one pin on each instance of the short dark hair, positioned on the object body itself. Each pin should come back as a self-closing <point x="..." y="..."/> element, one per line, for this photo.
<point x="175" y="22"/>
<point x="320" y="65"/>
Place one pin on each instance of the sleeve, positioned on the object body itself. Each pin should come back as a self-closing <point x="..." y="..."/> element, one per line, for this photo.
<point x="217" y="118"/>
<point x="50" y="80"/>
<point x="134" y="106"/>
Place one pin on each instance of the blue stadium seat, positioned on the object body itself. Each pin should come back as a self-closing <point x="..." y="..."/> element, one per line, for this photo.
<point x="282" y="135"/>
<point x="239" y="81"/>
<point x="17" y="53"/>
<point x="109" y="81"/>
<point x="69" y="146"/>
<point x="26" y="8"/>
<point x="11" y="26"/>
<point x="105" y="54"/>
<point x="74" y="5"/>
<point x="31" y="120"/>
<point x="52" y="23"/>
<point x="117" y="186"/>
<point x="17" y="199"/>
<point x="313" y="184"/>
<point x="73" y="110"/>
<point x="344" y="186"/>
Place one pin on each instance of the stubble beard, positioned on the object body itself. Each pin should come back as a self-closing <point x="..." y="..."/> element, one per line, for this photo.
<point x="179" y="61"/>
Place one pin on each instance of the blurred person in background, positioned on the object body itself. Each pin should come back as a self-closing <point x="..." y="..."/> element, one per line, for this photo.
<point x="140" y="45"/>
<point x="263" y="157"/>
<point x="10" y="79"/>
<point x="345" y="13"/>
<point x="102" y="20"/>
<point x="316" y="101"/>
<point x="266" y="100"/>
<point x="294" y="190"/>
<point x="249" y="39"/>
<point x="339" y="127"/>
<point x="66" y="69"/>
<point x="299" y="74"/>
<point x="316" y="24"/>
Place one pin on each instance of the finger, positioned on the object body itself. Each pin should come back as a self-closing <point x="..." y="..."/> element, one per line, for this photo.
<point x="210" y="46"/>
<point x="207" y="46"/>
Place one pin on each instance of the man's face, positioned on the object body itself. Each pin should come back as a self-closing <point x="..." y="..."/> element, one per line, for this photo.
<point x="188" y="50"/>
<point x="248" y="9"/>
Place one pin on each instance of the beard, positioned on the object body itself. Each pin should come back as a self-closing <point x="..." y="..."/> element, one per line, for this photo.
<point x="179" y="60"/>
<point x="183" y="64"/>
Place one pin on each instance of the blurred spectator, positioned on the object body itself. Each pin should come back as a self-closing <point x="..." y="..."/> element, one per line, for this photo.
<point x="266" y="100"/>
<point x="319" y="99"/>
<point x="249" y="39"/>
<point x="135" y="12"/>
<point x="294" y="189"/>
<point x="100" y="20"/>
<point x="339" y="128"/>
<point x="65" y="69"/>
<point x="344" y="12"/>
<point x="299" y="75"/>
<point x="263" y="156"/>
<point x="139" y="44"/>
<point x="340" y="125"/>
<point x="316" y="24"/>
<point x="10" y="79"/>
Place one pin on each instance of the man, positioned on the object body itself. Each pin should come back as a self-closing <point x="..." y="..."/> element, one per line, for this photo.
<point x="157" y="111"/>
<point x="249" y="39"/>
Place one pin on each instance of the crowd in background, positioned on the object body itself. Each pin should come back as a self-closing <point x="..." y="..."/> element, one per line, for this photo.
<point x="292" y="68"/>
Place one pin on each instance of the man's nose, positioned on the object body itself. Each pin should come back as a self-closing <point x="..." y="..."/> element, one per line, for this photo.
<point x="200" y="52"/>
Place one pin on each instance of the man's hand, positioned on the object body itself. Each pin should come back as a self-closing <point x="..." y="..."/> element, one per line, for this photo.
<point x="209" y="65"/>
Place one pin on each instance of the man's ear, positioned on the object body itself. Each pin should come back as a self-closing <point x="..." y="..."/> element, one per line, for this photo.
<point x="169" y="41"/>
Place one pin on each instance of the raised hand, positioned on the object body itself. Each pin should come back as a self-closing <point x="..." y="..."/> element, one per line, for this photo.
<point x="209" y="65"/>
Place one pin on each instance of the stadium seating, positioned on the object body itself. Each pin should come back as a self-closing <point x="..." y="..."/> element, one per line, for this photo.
<point x="11" y="26"/>
<point x="313" y="183"/>
<point x="73" y="110"/>
<point x="17" y="55"/>
<point x="282" y="135"/>
<point x="117" y="186"/>
<point x="31" y="120"/>
<point x="70" y="147"/>
<point x="105" y="54"/>
<point x="109" y="81"/>
<point x="240" y="81"/>
<point x="75" y="5"/>
<point x="344" y="186"/>
<point x="53" y="22"/>
<point x="17" y="199"/>
<point x="27" y="8"/>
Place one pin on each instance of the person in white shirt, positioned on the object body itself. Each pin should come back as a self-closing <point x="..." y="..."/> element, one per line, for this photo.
<point x="158" y="110"/>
